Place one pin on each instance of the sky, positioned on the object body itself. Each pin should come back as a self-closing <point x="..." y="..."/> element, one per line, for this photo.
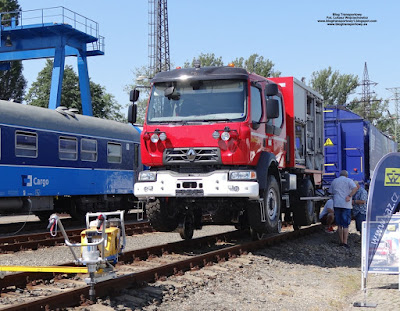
<point x="286" y="32"/>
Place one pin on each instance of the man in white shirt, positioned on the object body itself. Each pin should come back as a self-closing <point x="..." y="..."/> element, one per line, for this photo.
<point x="343" y="189"/>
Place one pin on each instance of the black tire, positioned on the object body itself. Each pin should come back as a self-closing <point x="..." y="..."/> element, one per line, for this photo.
<point x="304" y="210"/>
<point x="163" y="216"/>
<point x="186" y="228"/>
<point x="272" y="209"/>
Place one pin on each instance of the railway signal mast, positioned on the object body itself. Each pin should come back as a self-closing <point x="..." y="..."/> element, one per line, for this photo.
<point x="159" y="59"/>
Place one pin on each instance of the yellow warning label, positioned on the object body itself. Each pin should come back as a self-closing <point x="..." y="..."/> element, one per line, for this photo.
<point x="328" y="142"/>
<point x="392" y="176"/>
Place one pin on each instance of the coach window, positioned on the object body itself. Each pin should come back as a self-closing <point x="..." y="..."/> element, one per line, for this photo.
<point x="88" y="150"/>
<point x="256" y="104"/>
<point x="68" y="148"/>
<point x="26" y="144"/>
<point x="114" y="153"/>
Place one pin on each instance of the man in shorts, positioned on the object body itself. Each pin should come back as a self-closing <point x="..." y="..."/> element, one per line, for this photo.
<point x="327" y="216"/>
<point x="343" y="189"/>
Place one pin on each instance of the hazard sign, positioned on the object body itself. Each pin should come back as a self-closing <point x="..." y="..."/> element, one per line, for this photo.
<point x="392" y="177"/>
<point x="328" y="142"/>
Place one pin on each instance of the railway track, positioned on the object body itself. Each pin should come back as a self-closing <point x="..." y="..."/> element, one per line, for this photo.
<point x="27" y="291"/>
<point x="34" y="241"/>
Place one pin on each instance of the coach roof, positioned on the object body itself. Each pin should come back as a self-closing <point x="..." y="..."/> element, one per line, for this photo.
<point x="47" y="119"/>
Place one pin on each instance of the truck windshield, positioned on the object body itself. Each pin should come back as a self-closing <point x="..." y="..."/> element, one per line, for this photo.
<point x="210" y="100"/>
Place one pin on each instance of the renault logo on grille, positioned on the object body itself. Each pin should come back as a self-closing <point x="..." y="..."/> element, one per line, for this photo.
<point x="191" y="154"/>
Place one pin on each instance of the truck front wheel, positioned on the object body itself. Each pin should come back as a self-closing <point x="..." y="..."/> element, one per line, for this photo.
<point x="162" y="214"/>
<point x="266" y="217"/>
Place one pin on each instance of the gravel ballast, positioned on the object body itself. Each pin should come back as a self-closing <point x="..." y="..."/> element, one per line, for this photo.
<point x="310" y="273"/>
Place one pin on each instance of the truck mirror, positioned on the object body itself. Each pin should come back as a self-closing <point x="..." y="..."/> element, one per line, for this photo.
<point x="134" y="95"/>
<point x="272" y="108"/>
<point x="271" y="89"/>
<point x="132" y="113"/>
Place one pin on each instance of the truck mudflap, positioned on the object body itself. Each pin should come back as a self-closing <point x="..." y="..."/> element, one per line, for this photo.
<point x="214" y="184"/>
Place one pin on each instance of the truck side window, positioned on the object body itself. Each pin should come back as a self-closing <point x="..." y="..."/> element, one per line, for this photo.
<point x="279" y="120"/>
<point x="256" y="104"/>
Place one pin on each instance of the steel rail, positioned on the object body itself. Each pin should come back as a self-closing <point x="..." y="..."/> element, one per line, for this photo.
<point x="36" y="240"/>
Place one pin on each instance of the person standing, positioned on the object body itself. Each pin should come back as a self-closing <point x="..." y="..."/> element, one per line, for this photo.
<point x="343" y="189"/>
<point x="359" y="210"/>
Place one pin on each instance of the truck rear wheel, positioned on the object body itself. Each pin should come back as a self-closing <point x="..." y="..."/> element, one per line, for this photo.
<point x="162" y="214"/>
<point x="304" y="210"/>
<point x="266" y="217"/>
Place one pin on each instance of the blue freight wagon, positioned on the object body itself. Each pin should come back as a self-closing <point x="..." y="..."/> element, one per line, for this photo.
<point x="352" y="144"/>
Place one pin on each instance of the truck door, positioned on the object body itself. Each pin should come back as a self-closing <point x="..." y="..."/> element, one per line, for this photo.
<point x="258" y="136"/>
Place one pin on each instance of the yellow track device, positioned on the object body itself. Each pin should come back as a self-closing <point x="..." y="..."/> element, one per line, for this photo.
<point x="101" y="244"/>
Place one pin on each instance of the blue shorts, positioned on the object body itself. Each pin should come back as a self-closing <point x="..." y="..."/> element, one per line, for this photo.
<point x="342" y="217"/>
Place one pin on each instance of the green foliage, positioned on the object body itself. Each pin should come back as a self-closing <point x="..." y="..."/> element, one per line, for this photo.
<point x="258" y="65"/>
<point x="104" y="104"/>
<point x="333" y="86"/>
<point x="142" y="83"/>
<point x="8" y="6"/>
<point x="206" y="60"/>
<point x="12" y="82"/>
<point x="378" y="113"/>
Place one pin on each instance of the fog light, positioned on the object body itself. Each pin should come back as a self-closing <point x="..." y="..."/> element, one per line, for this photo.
<point x="242" y="175"/>
<point x="147" y="176"/>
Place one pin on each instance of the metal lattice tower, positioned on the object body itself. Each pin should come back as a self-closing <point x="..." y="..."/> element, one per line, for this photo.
<point x="159" y="59"/>
<point x="366" y="93"/>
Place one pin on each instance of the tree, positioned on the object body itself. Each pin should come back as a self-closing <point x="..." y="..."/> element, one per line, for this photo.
<point x="12" y="82"/>
<point x="142" y="83"/>
<point x="258" y="65"/>
<point x="104" y="104"/>
<point x="206" y="60"/>
<point x="378" y="113"/>
<point x="333" y="86"/>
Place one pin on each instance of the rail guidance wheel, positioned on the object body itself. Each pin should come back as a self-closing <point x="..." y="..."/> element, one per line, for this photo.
<point x="186" y="228"/>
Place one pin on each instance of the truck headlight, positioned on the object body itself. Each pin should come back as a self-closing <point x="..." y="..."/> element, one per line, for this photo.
<point x="242" y="175"/>
<point x="147" y="176"/>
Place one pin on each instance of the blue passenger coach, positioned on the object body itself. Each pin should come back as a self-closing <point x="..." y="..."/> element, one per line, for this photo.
<point x="60" y="161"/>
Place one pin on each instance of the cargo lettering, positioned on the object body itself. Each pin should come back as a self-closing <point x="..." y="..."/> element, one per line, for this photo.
<point x="41" y="182"/>
<point x="29" y="181"/>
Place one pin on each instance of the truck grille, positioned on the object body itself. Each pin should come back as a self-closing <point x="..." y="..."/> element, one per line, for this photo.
<point x="192" y="155"/>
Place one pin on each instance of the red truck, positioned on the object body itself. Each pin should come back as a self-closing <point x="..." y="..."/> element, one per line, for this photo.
<point x="229" y="147"/>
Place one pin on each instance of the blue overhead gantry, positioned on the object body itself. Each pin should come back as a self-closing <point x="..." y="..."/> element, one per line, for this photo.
<point x="52" y="33"/>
